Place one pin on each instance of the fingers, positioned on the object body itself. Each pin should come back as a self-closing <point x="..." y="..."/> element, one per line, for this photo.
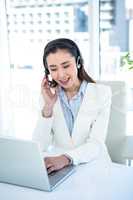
<point x="55" y="163"/>
<point x="44" y="82"/>
<point x="51" y="169"/>
<point x="48" y="162"/>
<point x="49" y="165"/>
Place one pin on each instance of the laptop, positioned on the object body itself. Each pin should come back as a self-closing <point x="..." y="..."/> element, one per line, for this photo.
<point x="21" y="163"/>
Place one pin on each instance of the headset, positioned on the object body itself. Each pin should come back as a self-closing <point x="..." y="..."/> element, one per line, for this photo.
<point x="61" y="43"/>
<point x="52" y="83"/>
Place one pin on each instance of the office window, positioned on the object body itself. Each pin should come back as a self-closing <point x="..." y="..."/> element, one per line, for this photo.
<point x="30" y="25"/>
<point x="32" y="21"/>
<point x="116" y="28"/>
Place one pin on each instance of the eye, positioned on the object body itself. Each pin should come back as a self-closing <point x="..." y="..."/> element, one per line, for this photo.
<point x="66" y="66"/>
<point x="54" y="69"/>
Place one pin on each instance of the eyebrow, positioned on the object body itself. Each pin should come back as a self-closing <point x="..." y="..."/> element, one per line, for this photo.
<point x="66" y="62"/>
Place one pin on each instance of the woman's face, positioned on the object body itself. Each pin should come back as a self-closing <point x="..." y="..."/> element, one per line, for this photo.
<point x="63" y="69"/>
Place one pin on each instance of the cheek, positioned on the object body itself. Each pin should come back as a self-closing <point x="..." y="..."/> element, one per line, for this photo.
<point x="53" y="75"/>
<point x="74" y="72"/>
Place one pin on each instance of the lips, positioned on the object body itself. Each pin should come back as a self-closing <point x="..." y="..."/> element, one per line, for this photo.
<point x="64" y="82"/>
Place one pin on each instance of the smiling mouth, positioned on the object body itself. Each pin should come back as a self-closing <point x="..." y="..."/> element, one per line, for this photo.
<point x="64" y="82"/>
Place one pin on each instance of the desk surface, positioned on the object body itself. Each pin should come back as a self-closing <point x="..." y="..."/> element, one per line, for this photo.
<point x="94" y="181"/>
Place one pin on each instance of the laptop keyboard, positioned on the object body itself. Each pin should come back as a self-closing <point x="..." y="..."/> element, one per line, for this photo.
<point x="57" y="176"/>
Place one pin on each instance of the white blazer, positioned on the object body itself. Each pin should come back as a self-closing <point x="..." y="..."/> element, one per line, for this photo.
<point x="89" y="131"/>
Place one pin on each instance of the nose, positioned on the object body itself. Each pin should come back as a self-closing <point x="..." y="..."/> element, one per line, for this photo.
<point x="61" y="74"/>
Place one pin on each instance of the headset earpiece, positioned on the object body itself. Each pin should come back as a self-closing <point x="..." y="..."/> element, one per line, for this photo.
<point x="46" y="71"/>
<point x="78" y="63"/>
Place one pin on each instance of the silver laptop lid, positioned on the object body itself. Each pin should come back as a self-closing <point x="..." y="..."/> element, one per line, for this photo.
<point x="21" y="164"/>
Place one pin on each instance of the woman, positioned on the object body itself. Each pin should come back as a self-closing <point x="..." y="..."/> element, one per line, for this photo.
<point x="75" y="112"/>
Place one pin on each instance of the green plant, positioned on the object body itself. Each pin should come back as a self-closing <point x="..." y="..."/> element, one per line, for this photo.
<point x="127" y="61"/>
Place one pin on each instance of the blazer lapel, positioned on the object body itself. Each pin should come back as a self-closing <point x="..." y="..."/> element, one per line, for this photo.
<point x="87" y="110"/>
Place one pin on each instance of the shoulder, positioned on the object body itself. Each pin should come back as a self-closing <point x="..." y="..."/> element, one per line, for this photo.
<point x="103" y="89"/>
<point x="100" y="91"/>
<point x="100" y="88"/>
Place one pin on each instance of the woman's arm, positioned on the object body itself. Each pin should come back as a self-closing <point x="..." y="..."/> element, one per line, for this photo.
<point x="43" y="131"/>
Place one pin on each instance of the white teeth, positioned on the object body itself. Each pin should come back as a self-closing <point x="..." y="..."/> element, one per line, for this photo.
<point x="64" y="80"/>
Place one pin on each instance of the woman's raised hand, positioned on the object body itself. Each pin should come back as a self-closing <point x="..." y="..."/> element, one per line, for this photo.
<point x="50" y="96"/>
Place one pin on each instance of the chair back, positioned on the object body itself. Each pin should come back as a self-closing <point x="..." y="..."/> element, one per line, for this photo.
<point x="117" y="123"/>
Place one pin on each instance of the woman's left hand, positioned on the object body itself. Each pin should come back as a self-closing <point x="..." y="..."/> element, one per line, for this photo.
<point x="56" y="163"/>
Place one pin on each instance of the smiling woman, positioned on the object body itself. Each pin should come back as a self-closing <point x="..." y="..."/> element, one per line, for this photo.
<point x="73" y="55"/>
<point x="64" y="71"/>
<point x="75" y="112"/>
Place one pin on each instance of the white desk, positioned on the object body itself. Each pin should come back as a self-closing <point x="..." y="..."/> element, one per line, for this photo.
<point x="95" y="181"/>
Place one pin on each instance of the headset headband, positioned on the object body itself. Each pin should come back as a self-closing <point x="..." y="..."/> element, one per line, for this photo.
<point x="62" y="43"/>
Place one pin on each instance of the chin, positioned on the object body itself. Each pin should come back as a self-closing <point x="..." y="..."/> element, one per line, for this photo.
<point x="67" y="86"/>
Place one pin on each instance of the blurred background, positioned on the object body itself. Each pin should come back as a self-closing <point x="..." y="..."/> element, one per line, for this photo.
<point x="102" y="29"/>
